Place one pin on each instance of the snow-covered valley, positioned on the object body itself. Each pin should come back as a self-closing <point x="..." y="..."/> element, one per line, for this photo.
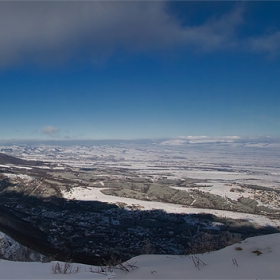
<point x="98" y="201"/>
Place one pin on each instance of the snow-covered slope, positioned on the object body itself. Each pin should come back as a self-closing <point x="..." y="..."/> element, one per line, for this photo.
<point x="254" y="258"/>
<point x="12" y="250"/>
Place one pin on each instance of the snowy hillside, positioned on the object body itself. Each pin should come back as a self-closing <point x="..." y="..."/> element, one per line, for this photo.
<point x="254" y="258"/>
<point x="12" y="250"/>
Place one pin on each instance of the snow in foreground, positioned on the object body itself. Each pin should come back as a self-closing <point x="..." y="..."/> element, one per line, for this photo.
<point x="254" y="258"/>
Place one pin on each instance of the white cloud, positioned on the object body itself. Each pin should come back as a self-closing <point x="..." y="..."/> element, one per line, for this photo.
<point x="215" y="34"/>
<point x="174" y="142"/>
<point x="50" y="130"/>
<point x="266" y="43"/>
<point x="208" y="139"/>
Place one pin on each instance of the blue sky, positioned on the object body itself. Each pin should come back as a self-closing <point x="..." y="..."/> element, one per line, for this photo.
<point x="128" y="70"/>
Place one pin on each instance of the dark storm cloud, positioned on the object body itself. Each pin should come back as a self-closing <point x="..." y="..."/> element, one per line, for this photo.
<point x="39" y="30"/>
<point x="42" y="31"/>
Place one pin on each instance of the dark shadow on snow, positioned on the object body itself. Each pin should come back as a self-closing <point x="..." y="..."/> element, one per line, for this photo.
<point x="92" y="232"/>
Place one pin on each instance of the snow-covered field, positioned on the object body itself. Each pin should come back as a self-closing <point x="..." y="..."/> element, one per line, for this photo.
<point x="91" y="194"/>
<point x="224" y="168"/>
<point x="254" y="258"/>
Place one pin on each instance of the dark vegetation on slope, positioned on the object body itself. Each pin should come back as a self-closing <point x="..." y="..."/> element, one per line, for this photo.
<point x="195" y="197"/>
<point x="6" y="159"/>
<point x="91" y="232"/>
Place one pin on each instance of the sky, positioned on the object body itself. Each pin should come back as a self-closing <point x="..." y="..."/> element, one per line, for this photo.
<point x="139" y="69"/>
